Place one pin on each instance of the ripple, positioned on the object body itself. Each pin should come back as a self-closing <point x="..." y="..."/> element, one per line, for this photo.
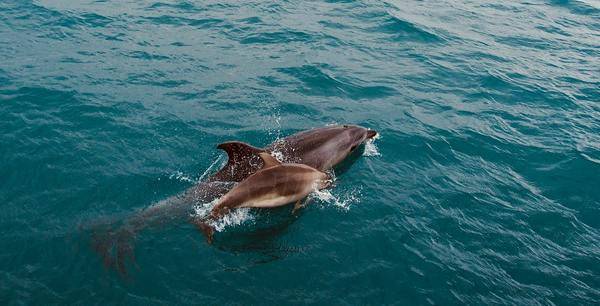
<point x="485" y="190"/>
<point x="318" y="81"/>
<point x="183" y="6"/>
<point x="405" y="30"/>
<point x="276" y="37"/>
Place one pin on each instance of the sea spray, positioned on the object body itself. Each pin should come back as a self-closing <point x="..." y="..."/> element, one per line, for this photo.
<point x="371" y="148"/>
<point x="236" y="217"/>
<point x="344" y="202"/>
<point x="182" y="177"/>
<point x="218" y="161"/>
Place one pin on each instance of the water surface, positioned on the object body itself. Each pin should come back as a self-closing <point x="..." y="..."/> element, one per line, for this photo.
<point x="485" y="188"/>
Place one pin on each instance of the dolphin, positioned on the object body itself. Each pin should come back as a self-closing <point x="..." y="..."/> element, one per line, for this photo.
<point x="274" y="185"/>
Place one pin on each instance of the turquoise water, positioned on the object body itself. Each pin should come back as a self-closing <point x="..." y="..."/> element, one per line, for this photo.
<point x="484" y="187"/>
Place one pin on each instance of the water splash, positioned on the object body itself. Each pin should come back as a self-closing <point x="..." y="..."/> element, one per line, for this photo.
<point x="236" y="217"/>
<point x="371" y="148"/>
<point x="180" y="176"/>
<point x="275" y="129"/>
<point x="272" y="124"/>
<point x="343" y="202"/>
<point x="279" y="155"/>
<point x="220" y="161"/>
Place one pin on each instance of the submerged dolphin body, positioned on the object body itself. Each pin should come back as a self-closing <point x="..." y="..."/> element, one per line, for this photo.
<point x="274" y="185"/>
<point x="319" y="148"/>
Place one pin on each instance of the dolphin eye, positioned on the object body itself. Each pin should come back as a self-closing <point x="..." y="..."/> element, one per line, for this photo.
<point x="353" y="147"/>
<point x="345" y="126"/>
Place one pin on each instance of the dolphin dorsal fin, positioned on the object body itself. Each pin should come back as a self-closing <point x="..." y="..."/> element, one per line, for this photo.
<point x="243" y="160"/>
<point x="269" y="160"/>
<point x="236" y="148"/>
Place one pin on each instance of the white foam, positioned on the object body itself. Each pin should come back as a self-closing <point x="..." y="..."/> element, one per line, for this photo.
<point x="278" y="155"/>
<point x="343" y="202"/>
<point x="201" y="210"/>
<point x="236" y="217"/>
<point x="370" y="147"/>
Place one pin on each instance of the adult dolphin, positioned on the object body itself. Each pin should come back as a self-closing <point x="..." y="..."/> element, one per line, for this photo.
<point x="274" y="185"/>
<point x="320" y="148"/>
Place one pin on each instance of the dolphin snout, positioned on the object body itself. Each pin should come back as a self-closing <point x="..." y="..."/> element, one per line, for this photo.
<point x="371" y="134"/>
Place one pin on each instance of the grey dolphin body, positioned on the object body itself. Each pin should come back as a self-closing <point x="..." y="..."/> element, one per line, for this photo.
<point x="274" y="185"/>
<point x="319" y="148"/>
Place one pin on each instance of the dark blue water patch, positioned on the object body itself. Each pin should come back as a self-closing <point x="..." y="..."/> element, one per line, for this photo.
<point x="577" y="7"/>
<point x="120" y="37"/>
<point x="94" y="20"/>
<point x="72" y="60"/>
<point x="403" y="30"/>
<point x="27" y="10"/>
<point x="318" y="82"/>
<point x="4" y="78"/>
<point x="179" y="44"/>
<point x="251" y="20"/>
<point x="333" y="25"/>
<point x="55" y="20"/>
<point x="147" y="56"/>
<point x="553" y="30"/>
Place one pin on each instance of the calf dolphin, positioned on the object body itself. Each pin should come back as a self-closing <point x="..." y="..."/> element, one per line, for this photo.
<point x="276" y="184"/>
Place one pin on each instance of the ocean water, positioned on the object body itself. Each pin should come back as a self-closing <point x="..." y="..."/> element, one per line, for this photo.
<point x="484" y="187"/>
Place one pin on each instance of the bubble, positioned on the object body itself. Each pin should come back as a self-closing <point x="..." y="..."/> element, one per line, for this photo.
<point x="180" y="176"/>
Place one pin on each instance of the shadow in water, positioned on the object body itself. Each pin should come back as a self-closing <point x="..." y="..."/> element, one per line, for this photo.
<point x="260" y="242"/>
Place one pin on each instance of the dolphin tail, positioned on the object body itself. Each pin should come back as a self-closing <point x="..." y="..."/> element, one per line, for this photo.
<point x="207" y="230"/>
<point x="243" y="160"/>
<point x="115" y="247"/>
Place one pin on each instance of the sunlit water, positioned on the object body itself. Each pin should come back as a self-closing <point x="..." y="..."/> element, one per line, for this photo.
<point x="484" y="187"/>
